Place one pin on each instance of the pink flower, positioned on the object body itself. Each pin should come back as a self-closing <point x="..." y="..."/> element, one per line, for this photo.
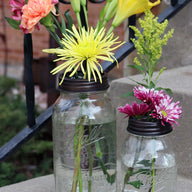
<point x="135" y="109"/>
<point x="148" y="95"/>
<point x="17" y="9"/>
<point x="167" y="111"/>
<point x="34" y="11"/>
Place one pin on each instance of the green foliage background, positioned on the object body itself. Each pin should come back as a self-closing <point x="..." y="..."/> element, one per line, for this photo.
<point x="34" y="158"/>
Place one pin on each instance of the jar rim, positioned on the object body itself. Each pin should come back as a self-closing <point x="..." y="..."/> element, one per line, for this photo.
<point x="148" y="128"/>
<point x="83" y="85"/>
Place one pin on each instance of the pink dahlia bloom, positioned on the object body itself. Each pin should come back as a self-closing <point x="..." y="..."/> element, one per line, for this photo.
<point x="167" y="111"/>
<point x="149" y="96"/>
<point x="34" y="11"/>
<point x="17" y="9"/>
<point x="135" y="109"/>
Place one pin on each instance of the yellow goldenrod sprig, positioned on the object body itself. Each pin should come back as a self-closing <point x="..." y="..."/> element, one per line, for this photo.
<point x="149" y="45"/>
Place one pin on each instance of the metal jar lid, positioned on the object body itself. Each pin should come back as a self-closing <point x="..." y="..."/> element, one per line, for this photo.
<point x="148" y="128"/>
<point x="83" y="85"/>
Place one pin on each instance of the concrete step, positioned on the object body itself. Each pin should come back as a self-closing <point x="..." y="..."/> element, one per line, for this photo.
<point x="46" y="184"/>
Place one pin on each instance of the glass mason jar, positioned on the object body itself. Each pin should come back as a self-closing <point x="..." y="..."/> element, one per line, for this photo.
<point x="84" y="137"/>
<point x="147" y="159"/>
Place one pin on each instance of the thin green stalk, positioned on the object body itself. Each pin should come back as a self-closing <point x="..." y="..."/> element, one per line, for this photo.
<point x="76" y="169"/>
<point x="86" y="18"/>
<point x="153" y="169"/>
<point x="90" y="164"/>
<point x="131" y="169"/>
<point x="153" y="175"/>
<point x="77" y="151"/>
<point x="79" y="20"/>
<point x="110" y="178"/>
<point x="80" y="181"/>
<point x="55" y="36"/>
<point x="110" y="30"/>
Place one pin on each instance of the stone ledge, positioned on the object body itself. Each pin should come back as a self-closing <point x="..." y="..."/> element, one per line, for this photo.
<point x="46" y="184"/>
<point x="39" y="184"/>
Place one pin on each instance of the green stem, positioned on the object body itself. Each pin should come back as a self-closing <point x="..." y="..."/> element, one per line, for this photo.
<point x="55" y="37"/>
<point x="153" y="175"/>
<point x="80" y="181"/>
<point x="86" y="18"/>
<point x="104" y="24"/>
<point x="110" y="30"/>
<point x="90" y="164"/>
<point x="131" y="169"/>
<point x="153" y="169"/>
<point x="77" y="151"/>
<point x="79" y="20"/>
<point x="110" y="178"/>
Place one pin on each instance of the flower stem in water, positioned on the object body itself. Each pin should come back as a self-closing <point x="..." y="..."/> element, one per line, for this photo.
<point x="77" y="151"/>
<point x="153" y="175"/>
<point x="90" y="164"/>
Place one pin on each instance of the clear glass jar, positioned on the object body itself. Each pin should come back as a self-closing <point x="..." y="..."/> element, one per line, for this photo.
<point x="147" y="159"/>
<point x="84" y="138"/>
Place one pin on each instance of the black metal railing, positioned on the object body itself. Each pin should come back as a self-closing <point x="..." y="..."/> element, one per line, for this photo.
<point x="34" y="125"/>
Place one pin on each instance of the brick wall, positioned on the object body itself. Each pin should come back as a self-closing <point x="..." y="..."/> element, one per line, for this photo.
<point x="14" y="38"/>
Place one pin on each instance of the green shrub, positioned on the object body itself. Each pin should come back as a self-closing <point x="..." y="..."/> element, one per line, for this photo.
<point x="35" y="157"/>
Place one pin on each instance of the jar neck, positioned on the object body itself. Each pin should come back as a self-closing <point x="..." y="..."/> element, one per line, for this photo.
<point x="81" y="85"/>
<point x="148" y="128"/>
<point x="81" y="95"/>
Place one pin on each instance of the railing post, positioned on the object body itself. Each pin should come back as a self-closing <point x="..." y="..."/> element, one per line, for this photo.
<point x="131" y="21"/>
<point x="29" y="82"/>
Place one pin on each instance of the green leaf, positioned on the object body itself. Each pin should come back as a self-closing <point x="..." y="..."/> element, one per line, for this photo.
<point x="152" y="85"/>
<point x="69" y="19"/>
<point x="139" y="67"/>
<point x="102" y="14"/>
<point x="13" y="23"/>
<point x="57" y="24"/>
<point x="63" y="26"/>
<point x="111" y="178"/>
<point x="47" y="21"/>
<point x="160" y="72"/>
<point x="144" y="85"/>
<point x="131" y="93"/>
<point x="146" y="163"/>
<point x="168" y="90"/>
<point x="136" y="184"/>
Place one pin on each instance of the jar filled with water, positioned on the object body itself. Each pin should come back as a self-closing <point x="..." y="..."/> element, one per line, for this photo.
<point x="84" y="138"/>
<point x="147" y="158"/>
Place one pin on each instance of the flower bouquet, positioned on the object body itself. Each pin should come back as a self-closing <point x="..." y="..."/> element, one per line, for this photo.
<point x="148" y="161"/>
<point x="83" y="119"/>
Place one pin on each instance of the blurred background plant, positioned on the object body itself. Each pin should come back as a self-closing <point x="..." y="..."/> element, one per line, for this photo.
<point x="35" y="157"/>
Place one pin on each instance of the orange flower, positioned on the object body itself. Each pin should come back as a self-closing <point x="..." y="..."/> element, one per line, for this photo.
<point x="34" y="11"/>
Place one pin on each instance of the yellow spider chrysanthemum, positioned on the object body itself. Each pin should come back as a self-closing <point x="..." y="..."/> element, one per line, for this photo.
<point x="79" y="46"/>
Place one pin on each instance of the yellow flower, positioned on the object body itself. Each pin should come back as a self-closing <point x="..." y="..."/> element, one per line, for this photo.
<point x="127" y="8"/>
<point x="88" y="46"/>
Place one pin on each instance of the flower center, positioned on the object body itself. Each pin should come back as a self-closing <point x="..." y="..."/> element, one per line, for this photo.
<point x="164" y="113"/>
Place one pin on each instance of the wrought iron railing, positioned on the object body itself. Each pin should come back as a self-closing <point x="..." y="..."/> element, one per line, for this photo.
<point x="34" y="125"/>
